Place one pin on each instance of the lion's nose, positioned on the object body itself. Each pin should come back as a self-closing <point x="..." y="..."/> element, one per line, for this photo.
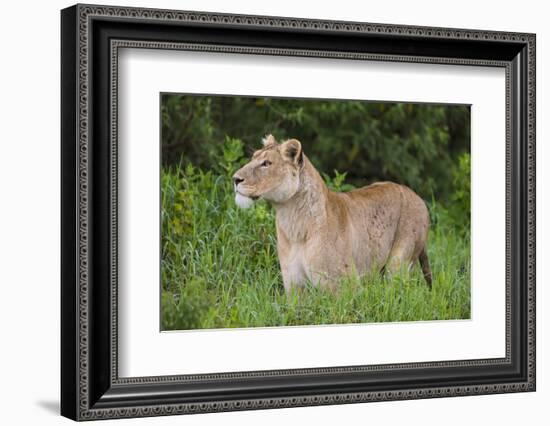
<point x="237" y="180"/>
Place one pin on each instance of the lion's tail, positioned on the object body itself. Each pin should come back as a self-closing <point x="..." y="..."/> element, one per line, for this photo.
<point x="425" y="265"/>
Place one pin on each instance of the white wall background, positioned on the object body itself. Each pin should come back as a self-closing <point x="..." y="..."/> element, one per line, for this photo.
<point x="29" y="212"/>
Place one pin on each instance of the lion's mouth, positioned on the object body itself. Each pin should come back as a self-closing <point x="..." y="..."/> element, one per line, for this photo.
<point x="252" y="197"/>
<point x="244" y="201"/>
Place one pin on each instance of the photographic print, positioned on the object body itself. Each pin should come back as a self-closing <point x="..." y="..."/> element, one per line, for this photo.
<point x="331" y="200"/>
<point x="287" y="212"/>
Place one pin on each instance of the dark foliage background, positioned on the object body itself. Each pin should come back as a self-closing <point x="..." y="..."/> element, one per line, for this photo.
<point x="419" y="145"/>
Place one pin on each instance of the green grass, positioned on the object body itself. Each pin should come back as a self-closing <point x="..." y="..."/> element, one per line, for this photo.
<point x="220" y="269"/>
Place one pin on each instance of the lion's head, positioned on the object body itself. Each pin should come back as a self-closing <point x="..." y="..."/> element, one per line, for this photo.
<point x="272" y="173"/>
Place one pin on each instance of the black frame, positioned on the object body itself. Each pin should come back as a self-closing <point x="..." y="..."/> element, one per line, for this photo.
<point x="90" y="386"/>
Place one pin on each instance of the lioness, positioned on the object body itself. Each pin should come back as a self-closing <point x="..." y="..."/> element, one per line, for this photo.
<point x="323" y="235"/>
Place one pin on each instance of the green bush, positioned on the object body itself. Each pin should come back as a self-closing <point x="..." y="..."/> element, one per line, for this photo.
<point x="461" y="192"/>
<point x="414" y="144"/>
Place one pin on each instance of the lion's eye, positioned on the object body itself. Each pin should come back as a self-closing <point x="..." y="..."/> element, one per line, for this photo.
<point x="266" y="163"/>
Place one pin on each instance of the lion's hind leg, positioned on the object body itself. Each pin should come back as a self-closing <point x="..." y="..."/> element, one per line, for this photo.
<point x="399" y="260"/>
<point x="425" y="265"/>
<point x="402" y="258"/>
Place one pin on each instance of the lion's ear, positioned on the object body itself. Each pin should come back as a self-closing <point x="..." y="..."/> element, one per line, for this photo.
<point x="292" y="150"/>
<point x="269" y="140"/>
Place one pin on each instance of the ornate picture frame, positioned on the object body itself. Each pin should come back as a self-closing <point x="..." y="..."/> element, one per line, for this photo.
<point x="91" y="37"/>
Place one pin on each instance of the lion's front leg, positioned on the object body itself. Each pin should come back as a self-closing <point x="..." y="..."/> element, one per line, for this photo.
<point x="291" y="261"/>
<point x="298" y="273"/>
<point x="326" y="267"/>
<point x="293" y="272"/>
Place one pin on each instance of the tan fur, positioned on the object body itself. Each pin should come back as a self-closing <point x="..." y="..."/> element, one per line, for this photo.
<point x="324" y="235"/>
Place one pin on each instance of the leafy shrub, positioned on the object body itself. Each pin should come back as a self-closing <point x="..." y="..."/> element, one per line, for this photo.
<point x="461" y="192"/>
<point x="413" y="144"/>
<point x="337" y="182"/>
